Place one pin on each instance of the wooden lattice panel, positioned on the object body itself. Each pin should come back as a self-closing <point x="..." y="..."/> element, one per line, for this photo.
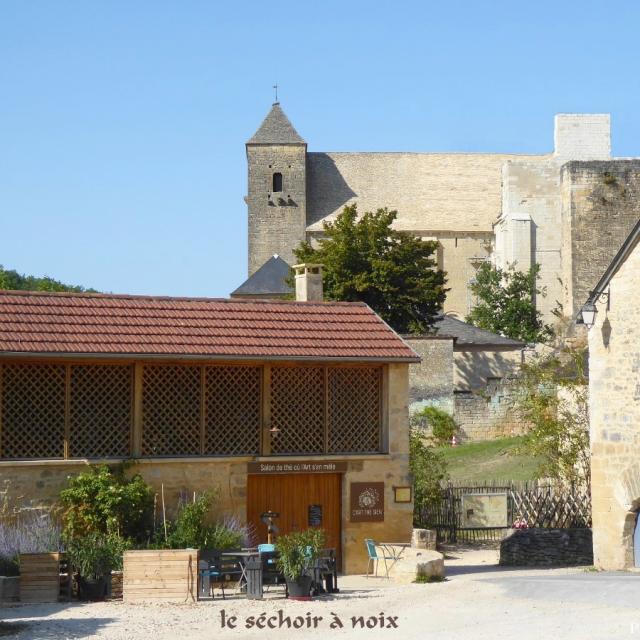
<point x="33" y="410"/>
<point x="233" y="410"/>
<point x="100" y="424"/>
<point x="171" y="410"/>
<point x="354" y="410"/>
<point x="297" y="409"/>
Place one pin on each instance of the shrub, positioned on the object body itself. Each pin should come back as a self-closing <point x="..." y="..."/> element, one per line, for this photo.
<point x="96" y="554"/>
<point x="191" y="530"/>
<point x="428" y="469"/>
<point x="443" y="426"/>
<point x="296" y="552"/>
<point x="27" y="532"/>
<point x="104" y="500"/>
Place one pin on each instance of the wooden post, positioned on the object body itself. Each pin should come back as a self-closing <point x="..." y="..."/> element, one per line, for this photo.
<point x="67" y="411"/>
<point x="326" y="409"/>
<point x="136" y="440"/>
<point x="266" y="410"/>
<point x="203" y="409"/>
<point x="1" y="373"/>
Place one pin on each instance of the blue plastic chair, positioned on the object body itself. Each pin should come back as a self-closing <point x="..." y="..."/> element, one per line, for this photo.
<point x="375" y="557"/>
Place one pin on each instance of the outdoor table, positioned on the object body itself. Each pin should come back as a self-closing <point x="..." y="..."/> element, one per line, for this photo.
<point x="394" y="549"/>
<point x="242" y="557"/>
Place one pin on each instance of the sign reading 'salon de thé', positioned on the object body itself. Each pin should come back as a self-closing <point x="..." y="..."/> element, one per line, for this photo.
<point x="298" y="466"/>
<point x="367" y="502"/>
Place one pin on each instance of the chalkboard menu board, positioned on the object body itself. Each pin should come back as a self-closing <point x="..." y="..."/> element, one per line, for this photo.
<point x="315" y="515"/>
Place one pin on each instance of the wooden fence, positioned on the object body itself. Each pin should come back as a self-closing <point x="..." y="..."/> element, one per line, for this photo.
<point x="539" y="504"/>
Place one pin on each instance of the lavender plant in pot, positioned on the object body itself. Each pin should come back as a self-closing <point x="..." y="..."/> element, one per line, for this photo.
<point x="297" y="553"/>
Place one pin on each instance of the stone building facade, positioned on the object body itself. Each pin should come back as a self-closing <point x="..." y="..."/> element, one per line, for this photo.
<point x="614" y="407"/>
<point x="508" y="208"/>
<point x="281" y="406"/>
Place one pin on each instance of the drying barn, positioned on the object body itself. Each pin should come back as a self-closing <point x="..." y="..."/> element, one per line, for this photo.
<point x="295" y="407"/>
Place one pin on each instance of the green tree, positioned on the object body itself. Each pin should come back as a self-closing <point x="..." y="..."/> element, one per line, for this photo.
<point x="552" y="396"/>
<point x="428" y="469"/>
<point x="10" y="279"/>
<point x="393" y="272"/>
<point x="506" y="303"/>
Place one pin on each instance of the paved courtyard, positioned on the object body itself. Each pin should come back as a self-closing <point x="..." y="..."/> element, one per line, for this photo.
<point x="479" y="600"/>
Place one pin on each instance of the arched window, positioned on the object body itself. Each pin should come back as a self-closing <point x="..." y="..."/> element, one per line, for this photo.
<point x="277" y="182"/>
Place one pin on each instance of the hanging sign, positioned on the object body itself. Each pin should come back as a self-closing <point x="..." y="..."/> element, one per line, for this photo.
<point x="367" y="502"/>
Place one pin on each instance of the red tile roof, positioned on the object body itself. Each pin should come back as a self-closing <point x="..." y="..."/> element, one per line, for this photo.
<point x="71" y="323"/>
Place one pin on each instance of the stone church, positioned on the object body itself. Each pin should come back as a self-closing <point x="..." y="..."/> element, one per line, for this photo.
<point x="568" y="210"/>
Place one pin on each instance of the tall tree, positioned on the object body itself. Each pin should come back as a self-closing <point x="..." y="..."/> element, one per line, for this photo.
<point x="392" y="271"/>
<point x="10" y="279"/>
<point x="506" y="303"/>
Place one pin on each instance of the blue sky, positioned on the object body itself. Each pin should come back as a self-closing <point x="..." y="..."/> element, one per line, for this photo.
<point x="122" y="124"/>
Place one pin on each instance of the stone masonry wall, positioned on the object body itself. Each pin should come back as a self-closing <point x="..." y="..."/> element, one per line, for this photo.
<point x="36" y="484"/>
<point x="547" y="548"/>
<point x="601" y="203"/>
<point x="487" y="415"/>
<point x="431" y="381"/>
<point x="614" y="406"/>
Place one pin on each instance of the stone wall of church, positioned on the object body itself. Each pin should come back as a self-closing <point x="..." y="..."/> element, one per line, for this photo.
<point x="600" y="205"/>
<point x="277" y="221"/>
<point x="614" y="406"/>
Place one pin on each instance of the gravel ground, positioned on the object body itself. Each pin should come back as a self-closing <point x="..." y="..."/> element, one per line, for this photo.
<point x="479" y="600"/>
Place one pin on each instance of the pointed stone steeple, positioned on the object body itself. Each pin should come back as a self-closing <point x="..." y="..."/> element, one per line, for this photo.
<point x="276" y="128"/>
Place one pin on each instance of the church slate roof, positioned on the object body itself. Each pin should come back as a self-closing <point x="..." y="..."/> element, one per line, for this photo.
<point x="276" y="128"/>
<point x="269" y="279"/>
<point x="108" y="325"/>
<point x="467" y="334"/>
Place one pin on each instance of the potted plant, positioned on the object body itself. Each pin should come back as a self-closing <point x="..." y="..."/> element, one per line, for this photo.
<point x="297" y="553"/>
<point x="93" y="556"/>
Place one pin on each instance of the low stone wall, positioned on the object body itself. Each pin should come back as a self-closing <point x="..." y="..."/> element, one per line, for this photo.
<point x="547" y="548"/>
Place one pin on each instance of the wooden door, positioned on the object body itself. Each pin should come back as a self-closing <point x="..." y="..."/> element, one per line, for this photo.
<point x="292" y="495"/>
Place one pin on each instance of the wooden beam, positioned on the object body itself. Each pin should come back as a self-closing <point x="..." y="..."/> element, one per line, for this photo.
<point x="326" y="409"/>
<point x="1" y="380"/>
<point x="266" y="410"/>
<point x="203" y="408"/>
<point x="67" y="411"/>
<point x="136" y="440"/>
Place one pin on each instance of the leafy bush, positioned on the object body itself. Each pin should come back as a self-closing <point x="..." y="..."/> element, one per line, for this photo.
<point x="298" y="550"/>
<point x="191" y="530"/>
<point x="104" y="500"/>
<point x="27" y="532"/>
<point x="443" y="426"/>
<point x="96" y="554"/>
<point x="428" y="469"/>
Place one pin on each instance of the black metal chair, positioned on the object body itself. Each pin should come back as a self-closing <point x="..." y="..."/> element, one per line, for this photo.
<point x="217" y="570"/>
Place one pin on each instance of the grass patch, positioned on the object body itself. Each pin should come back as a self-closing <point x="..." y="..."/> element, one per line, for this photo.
<point x="490" y="460"/>
<point x="429" y="579"/>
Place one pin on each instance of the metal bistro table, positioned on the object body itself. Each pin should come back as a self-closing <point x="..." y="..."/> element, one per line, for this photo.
<point x="394" y="549"/>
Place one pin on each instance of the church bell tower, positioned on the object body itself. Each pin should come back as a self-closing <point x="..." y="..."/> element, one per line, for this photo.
<point x="277" y="189"/>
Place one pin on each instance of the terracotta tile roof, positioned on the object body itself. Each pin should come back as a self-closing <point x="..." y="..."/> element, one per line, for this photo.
<point x="66" y="323"/>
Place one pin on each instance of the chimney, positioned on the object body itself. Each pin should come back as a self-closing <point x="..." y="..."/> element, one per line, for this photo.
<point x="308" y="282"/>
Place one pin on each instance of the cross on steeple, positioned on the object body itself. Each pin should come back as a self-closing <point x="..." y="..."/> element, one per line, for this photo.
<point x="275" y="87"/>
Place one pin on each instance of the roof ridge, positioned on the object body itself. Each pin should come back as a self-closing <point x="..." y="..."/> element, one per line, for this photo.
<point x="131" y="296"/>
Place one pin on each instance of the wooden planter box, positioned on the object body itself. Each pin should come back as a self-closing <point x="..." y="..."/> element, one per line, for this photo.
<point x="9" y="588"/>
<point x="40" y="577"/>
<point x="167" y="575"/>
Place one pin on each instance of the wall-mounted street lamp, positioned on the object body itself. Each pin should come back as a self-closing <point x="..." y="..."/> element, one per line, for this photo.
<point x="589" y="311"/>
